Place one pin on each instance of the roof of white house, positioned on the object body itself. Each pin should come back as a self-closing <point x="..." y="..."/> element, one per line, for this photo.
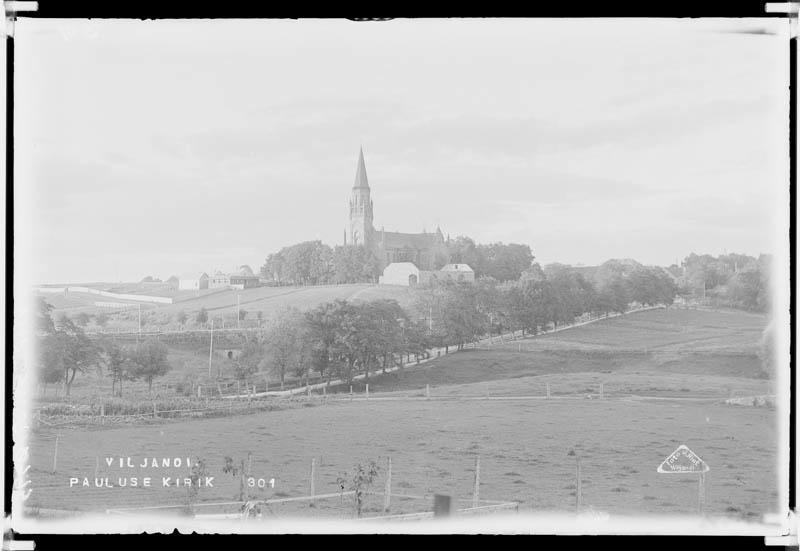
<point x="194" y="275"/>
<point x="402" y="265"/>
<point x="457" y="268"/>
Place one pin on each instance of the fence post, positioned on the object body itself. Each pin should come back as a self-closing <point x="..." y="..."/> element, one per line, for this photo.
<point x="578" y="489"/>
<point x="249" y="463"/>
<point x="313" y="475"/>
<point x="155" y="411"/>
<point x="475" y="492"/>
<point x="427" y="391"/>
<point x="601" y="391"/>
<point x="441" y="505"/>
<point x="701" y="493"/>
<point x="367" y="391"/>
<point x="199" y="391"/>
<point x="387" y="492"/>
<point x="55" y="455"/>
<point x="547" y="386"/>
<point x="351" y="392"/>
<point x="102" y="413"/>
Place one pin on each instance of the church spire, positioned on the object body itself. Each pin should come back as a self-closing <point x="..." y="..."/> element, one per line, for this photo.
<point x="361" y="171"/>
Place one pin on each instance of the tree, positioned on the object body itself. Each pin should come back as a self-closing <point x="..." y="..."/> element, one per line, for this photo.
<point x="359" y="482"/>
<point x="118" y="365"/>
<point x="148" y="361"/>
<point x="202" y="315"/>
<point x="354" y="264"/>
<point x="181" y="317"/>
<point x="77" y="353"/>
<point x="249" y="361"/>
<point x="307" y="263"/>
<point x="283" y="343"/>
<point x="242" y="314"/>
<point x="44" y="320"/>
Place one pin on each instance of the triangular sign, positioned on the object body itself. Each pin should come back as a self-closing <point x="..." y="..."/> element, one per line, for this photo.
<point x="683" y="460"/>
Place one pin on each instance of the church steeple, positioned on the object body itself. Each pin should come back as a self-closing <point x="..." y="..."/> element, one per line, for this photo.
<point x="361" y="171"/>
<point x="361" y="229"/>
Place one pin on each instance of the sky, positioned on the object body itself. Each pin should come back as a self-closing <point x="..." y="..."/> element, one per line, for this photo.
<point x="163" y="147"/>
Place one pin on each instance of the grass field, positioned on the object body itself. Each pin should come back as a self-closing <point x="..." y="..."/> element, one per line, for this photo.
<point x="665" y="374"/>
<point x="523" y="449"/>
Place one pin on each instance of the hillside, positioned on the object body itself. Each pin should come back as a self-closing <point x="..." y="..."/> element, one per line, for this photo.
<point x="672" y="351"/>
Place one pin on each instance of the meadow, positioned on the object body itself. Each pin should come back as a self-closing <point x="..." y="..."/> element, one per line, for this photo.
<point x="665" y="375"/>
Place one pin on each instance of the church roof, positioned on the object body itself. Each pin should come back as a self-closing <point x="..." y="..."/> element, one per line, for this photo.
<point x="361" y="172"/>
<point x="397" y="240"/>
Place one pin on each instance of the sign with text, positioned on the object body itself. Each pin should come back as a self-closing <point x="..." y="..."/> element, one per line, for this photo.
<point x="683" y="460"/>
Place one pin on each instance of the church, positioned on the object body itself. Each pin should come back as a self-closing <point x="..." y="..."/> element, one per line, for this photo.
<point x="426" y="250"/>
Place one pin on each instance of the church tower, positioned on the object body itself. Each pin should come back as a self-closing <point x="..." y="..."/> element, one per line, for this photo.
<point x="361" y="230"/>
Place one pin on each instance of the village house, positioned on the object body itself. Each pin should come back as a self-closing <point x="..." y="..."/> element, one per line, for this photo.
<point x="193" y="281"/>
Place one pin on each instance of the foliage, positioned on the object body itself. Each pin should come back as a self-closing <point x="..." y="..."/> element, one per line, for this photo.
<point x="359" y="482"/>
<point x="148" y="361"/>
<point x="202" y="315"/>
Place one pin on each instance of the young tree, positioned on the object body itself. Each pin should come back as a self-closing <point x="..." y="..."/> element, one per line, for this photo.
<point x="118" y="365"/>
<point x="149" y="360"/>
<point x="181" y="317"/>
<point x="202" y="315"/>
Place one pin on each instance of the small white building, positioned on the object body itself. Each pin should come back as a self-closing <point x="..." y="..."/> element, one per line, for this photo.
<point x="400" y="273"/>
<point x="219" y="280"/>
<point x="193" y="281"/>
<point x="457" y="272"/>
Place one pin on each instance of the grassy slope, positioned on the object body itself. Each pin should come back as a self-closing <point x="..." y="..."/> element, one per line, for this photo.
<point x="673" y="351"/>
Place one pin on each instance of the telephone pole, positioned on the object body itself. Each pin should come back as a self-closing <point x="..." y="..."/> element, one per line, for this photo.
<point x="211" y="348"/>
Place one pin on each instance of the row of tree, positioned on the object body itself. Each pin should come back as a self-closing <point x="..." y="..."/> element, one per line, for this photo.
<point x="341" y="339"/>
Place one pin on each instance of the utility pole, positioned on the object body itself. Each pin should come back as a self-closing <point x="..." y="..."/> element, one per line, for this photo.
<point x="211" y="348"/>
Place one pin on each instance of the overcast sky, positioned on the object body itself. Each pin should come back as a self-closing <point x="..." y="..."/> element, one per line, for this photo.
<point x="156" y="148"/>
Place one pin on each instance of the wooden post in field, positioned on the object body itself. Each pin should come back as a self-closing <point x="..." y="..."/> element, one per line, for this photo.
<point x="519" y="347"/>
<point x="578" y="489"/>
<point x="601" y="391"/>
<point x="313" y="475"/>
<point x="547" y="386"/>
<point x="55" y="455"/>
<point x="199" y="391"/>
<point x="325" y="393"/>
<point x="238" y="387"/>
<point x="155" y="411"/>
<point x="102" y="413"/>
<point x="249" y="463"/>
<point x="427" y="391"/>
<point x="441" y="505"/>
<point x="476" y="490"/>
<point x="351" y="392"/>
<point x="387" y="492"/>
<point x="701" y="493"/>
<point x="367" y="392"/>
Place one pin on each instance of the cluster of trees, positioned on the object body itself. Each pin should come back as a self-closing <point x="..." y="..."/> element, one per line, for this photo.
<point x="63" y="350"/>
<point x="733" y="280"/>
<point x="314" y="263"/>
<point x="337" y="339"/>
<point x="496" y="260"/>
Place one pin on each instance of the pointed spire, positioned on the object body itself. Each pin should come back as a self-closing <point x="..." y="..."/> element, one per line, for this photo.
<point x="361" y="171"/>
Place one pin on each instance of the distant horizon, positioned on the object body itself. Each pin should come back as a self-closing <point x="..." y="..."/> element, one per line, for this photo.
<point x="257" y="269"/>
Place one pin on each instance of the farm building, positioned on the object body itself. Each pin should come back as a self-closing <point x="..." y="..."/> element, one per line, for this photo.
<point x="244" y="280"/>
<point x="219" y="281"/>
<point x="193" y="281"/>
<point x="456" y="272"/>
